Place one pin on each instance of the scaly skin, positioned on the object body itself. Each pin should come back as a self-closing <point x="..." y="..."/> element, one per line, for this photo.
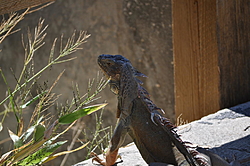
<point x="154" y="135"/>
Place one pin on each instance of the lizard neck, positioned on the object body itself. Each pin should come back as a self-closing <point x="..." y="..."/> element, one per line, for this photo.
<point x="128" y="89"/>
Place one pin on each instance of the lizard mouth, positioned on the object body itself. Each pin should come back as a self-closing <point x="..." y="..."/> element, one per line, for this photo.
<point x="105" y="72"/>
<point x="110" y="70"/>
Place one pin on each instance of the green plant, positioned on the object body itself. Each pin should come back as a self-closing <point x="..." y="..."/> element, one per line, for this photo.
<point x="101" y="136"/>
<point x="36" y="145"/>
<point x="7" y="25"/>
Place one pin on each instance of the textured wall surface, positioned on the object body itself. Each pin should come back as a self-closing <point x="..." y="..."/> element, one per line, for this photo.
<point x="138" y="30"/>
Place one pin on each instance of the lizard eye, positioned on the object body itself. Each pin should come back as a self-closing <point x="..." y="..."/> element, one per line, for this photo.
<point x="114" y="89"/>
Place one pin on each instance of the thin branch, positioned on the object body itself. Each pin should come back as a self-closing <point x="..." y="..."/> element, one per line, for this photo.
<point x="67" y="51"/>
<point x="79" y="128"/>
<point x="9" y="24"/>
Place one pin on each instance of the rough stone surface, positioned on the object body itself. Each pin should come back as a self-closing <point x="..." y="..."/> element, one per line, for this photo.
<point x="224" y="133"/>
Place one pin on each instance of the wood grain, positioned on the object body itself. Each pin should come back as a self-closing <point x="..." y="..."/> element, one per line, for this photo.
<point x="234" y="48"/>
<point x="8" y="6"/>
<point x="195" y="58"/>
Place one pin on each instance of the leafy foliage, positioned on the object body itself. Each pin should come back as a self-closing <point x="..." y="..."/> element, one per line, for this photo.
<point x="71" y="117"/>
<point x="37" y="144"/>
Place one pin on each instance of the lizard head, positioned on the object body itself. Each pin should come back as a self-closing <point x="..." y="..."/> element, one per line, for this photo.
<point x="111" y="65"/>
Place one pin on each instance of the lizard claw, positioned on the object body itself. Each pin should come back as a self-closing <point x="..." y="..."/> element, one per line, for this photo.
<point x="162" y="111"/>
<point x="152" y="118"/>
<point x="97" y="159"/>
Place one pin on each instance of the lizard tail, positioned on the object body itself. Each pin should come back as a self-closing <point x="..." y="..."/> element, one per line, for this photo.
<point x="191" y="154"/>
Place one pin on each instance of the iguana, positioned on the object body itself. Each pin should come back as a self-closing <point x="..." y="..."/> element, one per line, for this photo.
<point x="154" y="135"/>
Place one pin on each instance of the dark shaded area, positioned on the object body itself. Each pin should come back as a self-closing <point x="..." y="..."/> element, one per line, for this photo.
<point x="239" y="148"/>
<point x="233" y="26"/>
<point x="224" y="133"/>
<point x="242" y="109"/>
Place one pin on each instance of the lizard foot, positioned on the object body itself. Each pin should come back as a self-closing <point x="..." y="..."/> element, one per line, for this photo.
<point x="97" y="159"/>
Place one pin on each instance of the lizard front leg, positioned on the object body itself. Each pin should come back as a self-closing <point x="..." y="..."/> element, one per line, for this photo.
<point x="115" y="143"/>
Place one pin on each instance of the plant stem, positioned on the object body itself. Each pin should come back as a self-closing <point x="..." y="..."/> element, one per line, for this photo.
<point x="68" y="50"/>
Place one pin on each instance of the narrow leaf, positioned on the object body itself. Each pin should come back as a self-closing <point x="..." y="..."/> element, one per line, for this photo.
<point x="26" y="135"/>
<point x="1" y="126"/>
<point x="5" y="156"/>
<point x="12" y="102"/>
<point x="27" y="151"/>
<point x="71" y="117"/>
<point x="39" y="133"/>
<point x="41" y="154"/>
<point x="63" y="153"/>
<point x="30" y="130"/>
<point x="58" y="135"/>
<point x="66" y="60"/>
<point x="33" y="99"/>
<point x="16" y="140"/>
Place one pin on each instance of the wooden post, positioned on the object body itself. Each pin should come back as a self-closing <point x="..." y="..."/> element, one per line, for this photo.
<point x="7" y="6"/>
<point x="234" y="51"/>
<point x="195" y="58"/>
